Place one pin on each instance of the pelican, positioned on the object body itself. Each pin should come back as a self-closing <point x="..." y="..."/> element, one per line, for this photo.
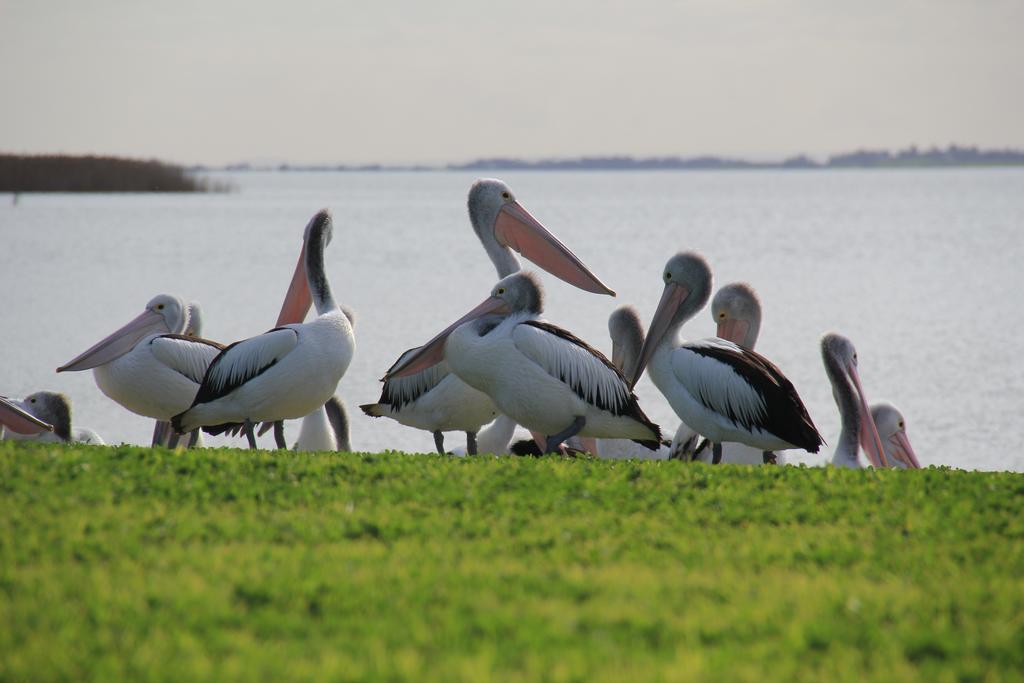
<point x="433" y="399"/>
<point x="55" y="409"/>
<point x="892" y="430"/>
<point x="627" y="334"/>
<point x="325" y="429"/>
<point x="840" y="359"/>
<point x="16" y="420"/>
<point x="721" y="390"/>
<point x="163" y="435"/>
<point x="147" y="365"/>
<point x="287" y="372"/>
<point x="736" y="310"/>
<point x="540" y="375"/>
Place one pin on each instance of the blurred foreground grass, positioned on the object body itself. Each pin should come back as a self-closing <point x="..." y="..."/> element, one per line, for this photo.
<point x="127" y="563"/>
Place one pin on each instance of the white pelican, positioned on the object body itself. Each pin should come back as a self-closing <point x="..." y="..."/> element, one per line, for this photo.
<point x="433" y="399"/>
<point x="16" y="420"/>
<point x="54" y="409"/>
<point x="892" y="430"/>
<point x="538" y="374"/>
<point x="325" y="429"/>
<point x="163" y="435"/>
<point x="736" y="310"/>
<point x="288" y="372"/>
<point x="627" y="334"/>
<point x="718" y="388"/>
<point x="148" y="366"/>
<point x="840" y="359"/>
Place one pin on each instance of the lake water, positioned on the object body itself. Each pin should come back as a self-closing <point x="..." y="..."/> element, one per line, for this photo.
<point x="923" y="270"/>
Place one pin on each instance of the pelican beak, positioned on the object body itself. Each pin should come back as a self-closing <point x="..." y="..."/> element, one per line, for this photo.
<point x="516" y="229"/>
<point x="119" y="343"/>
<point x="868" y="432"/>
<point x="298" y="300"/>
<point x="733" y="330"/>
<point x="671" y="299"/>
<point x="432" y="352"/>
<point x="20" y="421"/>
<point x="904" y="452"/>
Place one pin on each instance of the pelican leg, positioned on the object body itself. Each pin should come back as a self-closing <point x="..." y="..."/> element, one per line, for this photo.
<point x="769" y="458"/>
<point x="570" y="431"/>
<point x="247" y="427"/>
<point x="172" y="440"/>
<point x="470" y="443"/>
<point x="193" y="438"/>
<point x="439" y="441"/>
<point x="279" y="434"/>
<point x="716" y="453"/>
<point x="159" y="430"/>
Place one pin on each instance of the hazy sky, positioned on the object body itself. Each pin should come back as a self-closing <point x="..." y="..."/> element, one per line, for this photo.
<point x="307" y="81"/>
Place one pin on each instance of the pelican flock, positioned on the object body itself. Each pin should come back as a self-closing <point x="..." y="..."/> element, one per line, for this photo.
<point x="497" y="368"/>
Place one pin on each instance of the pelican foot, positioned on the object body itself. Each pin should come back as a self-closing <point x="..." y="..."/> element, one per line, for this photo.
<point x="570" y="431"/>
<point x="769" y="458"/>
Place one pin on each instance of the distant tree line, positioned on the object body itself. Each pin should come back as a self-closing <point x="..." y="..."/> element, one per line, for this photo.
<point x="62" y="173"/>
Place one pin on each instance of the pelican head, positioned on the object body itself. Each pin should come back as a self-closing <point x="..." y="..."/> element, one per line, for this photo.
<point x="736" y="309"/>
<point x="687" y="278"/>
<point x="518" y="293"/>
<point x="892" y="429"/>
<point x="503" y="226"/>
<point x="17" y="420"/>
<point x="299" y="298"/>
<point x="627" y="333"/>
<point x="840" y="359"/>
<point x="164" y="314"/>
<point x="53" y="408"/>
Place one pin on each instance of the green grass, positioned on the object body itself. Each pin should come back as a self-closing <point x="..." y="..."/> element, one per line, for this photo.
<point x="127" y="563"/>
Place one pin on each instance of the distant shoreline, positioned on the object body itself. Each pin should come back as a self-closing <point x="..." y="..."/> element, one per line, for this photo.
<point x="952" y="157"/>
<point x="66" y="173"/>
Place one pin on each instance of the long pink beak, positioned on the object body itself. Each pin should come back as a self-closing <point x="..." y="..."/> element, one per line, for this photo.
<point x="20" y="421"/>
<point x="868" y="432"/>
<point x="671" y="299"/>
<point x="517" y="229"/>
<point x="904" y="451"/>
<point x="432" y="352"/>
<point x="733" y="330"/>
<point x="119" y="343"/>
<point x="298" y="299"/>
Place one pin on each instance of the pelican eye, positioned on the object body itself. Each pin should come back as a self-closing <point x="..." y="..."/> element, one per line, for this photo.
<point x="31" y="400"/>
<point x="668" y="276"/>
<point x="506" y="195"/>
<point x="901" y="425"/>
<point x="159" y="307"/>
<point x="722" y="315"/>
<point x="501" y="290"/>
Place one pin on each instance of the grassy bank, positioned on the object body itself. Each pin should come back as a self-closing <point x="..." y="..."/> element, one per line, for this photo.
<point x="126" y="563"/>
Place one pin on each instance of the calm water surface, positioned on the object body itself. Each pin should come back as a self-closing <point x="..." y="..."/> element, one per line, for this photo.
<point x="922" y="269"/>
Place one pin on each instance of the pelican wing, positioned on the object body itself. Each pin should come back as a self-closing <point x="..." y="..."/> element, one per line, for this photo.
<point x="400" y="391"/>
<point x="585" y="370"/>
<point x="189" y="356"/>
<point x="244" y="360"/>
<point x="745" y="387"/>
